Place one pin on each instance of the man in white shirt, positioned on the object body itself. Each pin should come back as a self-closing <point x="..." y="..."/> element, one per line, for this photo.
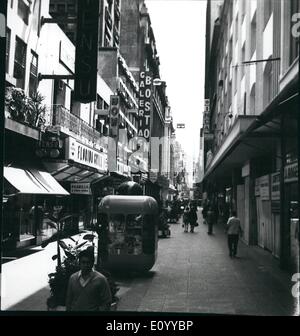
<point x="233" y="230"/>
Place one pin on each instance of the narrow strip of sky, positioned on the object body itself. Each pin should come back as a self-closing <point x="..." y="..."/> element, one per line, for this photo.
<point x="179" y="29"/>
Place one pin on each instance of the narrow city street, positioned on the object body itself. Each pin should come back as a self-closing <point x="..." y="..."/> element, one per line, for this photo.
<point x="194" y="273"/>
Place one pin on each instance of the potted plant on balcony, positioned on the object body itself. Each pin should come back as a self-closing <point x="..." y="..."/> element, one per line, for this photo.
<point x="37" y="110"/>
<point x="25" y="109"/>
<point x="17" y="103"/>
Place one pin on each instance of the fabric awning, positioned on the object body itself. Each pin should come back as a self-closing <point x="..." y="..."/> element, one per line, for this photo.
<point x="33" y="181"/>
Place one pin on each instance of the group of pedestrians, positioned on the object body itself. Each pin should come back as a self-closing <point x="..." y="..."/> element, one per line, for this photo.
<point x="232" y="226"/>
<point x="190" y="218"/>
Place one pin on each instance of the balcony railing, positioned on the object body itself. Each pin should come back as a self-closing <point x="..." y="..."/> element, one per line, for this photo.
<point x="72" y="125"/>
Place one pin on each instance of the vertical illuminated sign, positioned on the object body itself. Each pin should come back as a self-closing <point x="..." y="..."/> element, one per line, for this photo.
<point x="145" y="95"/>
<point x="86" y="51"/>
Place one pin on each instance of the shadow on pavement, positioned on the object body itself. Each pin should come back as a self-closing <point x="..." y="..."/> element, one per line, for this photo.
<point x="13" y="255"/>
<point x="129" y="275"/>
<point x="35" y="302"/>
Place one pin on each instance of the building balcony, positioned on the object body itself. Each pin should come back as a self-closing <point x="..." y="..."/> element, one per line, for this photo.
<point x="23" y="114"/>
<point x="74" y="126"/>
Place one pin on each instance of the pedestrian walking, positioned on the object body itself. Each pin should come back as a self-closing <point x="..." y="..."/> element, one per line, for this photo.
<point x="88" y="290"/>
<point x="204" y="211"/>
<point x="186" y="219"/>
<point x="233" y="230"/>
<point x="193" y="218"/>
<point x="210" y="219"/>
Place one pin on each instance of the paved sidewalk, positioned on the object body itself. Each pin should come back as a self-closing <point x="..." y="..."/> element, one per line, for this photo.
<point x="25" y="280"/>
<point x="194" y="273"/>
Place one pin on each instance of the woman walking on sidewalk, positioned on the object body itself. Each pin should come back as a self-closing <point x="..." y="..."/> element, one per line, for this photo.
<point x="210" y="219"/>
<point x="186" y="219"/>
<point x="193" y="218"/>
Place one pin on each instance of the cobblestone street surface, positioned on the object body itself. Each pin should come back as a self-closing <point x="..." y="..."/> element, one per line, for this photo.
<point x="194" y="273"/>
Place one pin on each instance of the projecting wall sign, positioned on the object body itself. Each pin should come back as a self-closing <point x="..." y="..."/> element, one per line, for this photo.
<point x="85" y="155"/>
<point x="86" y="51"/>
<point x="81" y="188"/>
<point x="145" y="104"/>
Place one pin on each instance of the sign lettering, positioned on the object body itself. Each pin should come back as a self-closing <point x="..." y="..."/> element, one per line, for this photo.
<point x="291" y="173"/>
<point x="86" y="51"/>
<point x="85" y="155"/>
<point x="275" y="187"/>
<point x="144" y="111"/>
<point x="81" y="188"/>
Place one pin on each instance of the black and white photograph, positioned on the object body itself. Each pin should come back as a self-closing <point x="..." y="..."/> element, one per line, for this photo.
<point x="149" y="157"/>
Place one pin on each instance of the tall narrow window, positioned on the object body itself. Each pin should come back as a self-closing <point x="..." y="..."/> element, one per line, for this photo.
<point x="20" y="62"/>
<point x="267" y="11"/>
<point x="236" y="28"/>
<point x="23" y="11"/>
<point x="33" y="79"/>
<point x="294" y="44"/>
<point x="8" y="34"/>
<point x="243" y="9"/>
<point x="253" y="36"/>
<point x="243" y="58"/>
<point x="252" y="100"/>
<point x="36" y="16"/>
<point x="267" y="83"/>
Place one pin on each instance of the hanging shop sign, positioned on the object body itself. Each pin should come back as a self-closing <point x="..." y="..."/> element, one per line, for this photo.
<point x="50" y="145"/>
<point x="81" y="188"/>
<point x="208" y="136"/>
<point x="264" y="188"/>
<point x="257" y="188"/>
<point x="85" y="87"/>
<point x="291" y="173"/>
<point x="80" y="153"/>
<point x="145" y="94"/>
<point x="246" y="170"/>
<point x="275" y="187"/>
<point x="114" y="115"/>
<point x="206" y="127"/>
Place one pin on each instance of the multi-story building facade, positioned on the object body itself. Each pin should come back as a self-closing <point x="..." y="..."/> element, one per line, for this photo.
<point x="138" y="46"/>
<point x="251" y="103"/>
<point x="68" y="147"/>
<point x="126" y="42"/>
<point x="56" y="134"/>
<point x="65" y="12"/>
<point x="112" y="67"/>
